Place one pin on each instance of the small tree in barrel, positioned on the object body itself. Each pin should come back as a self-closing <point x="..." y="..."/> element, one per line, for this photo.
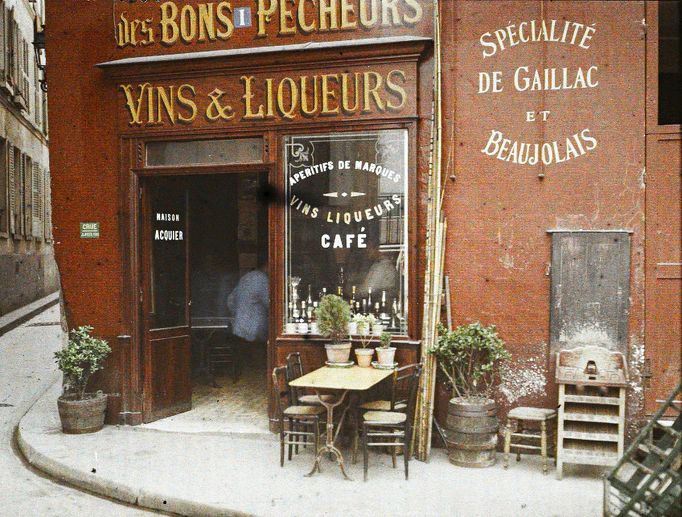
<point x="333" y="316"/>
<point x="470" y="357"/>
<point x="84" y="355"/>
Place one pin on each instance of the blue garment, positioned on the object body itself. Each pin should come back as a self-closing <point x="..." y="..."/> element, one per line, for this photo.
<point x="249" y="302"/>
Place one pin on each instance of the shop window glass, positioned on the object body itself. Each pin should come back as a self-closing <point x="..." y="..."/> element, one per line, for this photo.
<point x="205" y="152"/>
<point x="346" y="225"/>
<point x="669" y="73"/>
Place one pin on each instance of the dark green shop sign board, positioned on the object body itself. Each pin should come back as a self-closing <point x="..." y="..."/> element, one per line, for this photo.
<point x="89" y="230"/>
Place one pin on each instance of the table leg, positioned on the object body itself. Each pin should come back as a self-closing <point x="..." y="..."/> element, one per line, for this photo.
<point x="330" y="437"/>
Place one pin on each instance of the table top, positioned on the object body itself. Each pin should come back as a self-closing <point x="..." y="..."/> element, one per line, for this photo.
<point x="354" y="378"/>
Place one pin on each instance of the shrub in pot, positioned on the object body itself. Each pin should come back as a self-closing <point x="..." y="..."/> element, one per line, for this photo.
<point x="386" y="352"/>
<point x="364" y="355"/>
<point x="84" y="354"/>
<point x="471" y="357"/>
<point x="333" y="316"/>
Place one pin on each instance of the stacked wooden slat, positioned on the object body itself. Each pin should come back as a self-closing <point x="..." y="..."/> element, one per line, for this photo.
<point x="436" y="228"/>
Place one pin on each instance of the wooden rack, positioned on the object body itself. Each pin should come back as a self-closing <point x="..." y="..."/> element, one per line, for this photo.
<point x="591" y="423"/>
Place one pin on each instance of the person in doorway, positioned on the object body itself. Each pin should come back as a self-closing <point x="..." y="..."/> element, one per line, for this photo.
<point x="249" y="302"/>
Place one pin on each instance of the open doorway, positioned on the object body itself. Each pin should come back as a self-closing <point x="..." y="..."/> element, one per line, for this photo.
<point x="228" y="293"/>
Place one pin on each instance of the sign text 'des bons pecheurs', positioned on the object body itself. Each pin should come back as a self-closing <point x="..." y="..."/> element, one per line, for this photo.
<point x="286" y="97"/>
<point x="174" y="22"/>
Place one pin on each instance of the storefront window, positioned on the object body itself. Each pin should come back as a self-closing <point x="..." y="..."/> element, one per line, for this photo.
<point x="346" y="226"/>
<point x="205" y="152"/>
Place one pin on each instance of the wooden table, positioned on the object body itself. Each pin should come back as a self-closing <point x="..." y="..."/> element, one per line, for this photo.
<point x="208" y="326"/>
<point x="341" y="380"/>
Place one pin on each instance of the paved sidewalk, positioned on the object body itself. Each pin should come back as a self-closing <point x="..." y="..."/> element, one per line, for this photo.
<point x="218" y="474"/>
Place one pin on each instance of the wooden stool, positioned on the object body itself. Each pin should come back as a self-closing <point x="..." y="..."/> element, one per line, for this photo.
<point x="518" y="417"/>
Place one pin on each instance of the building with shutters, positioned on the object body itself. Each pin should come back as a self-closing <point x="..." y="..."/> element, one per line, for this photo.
<point x="561" y="166"/>
<point x="27" y="267"/>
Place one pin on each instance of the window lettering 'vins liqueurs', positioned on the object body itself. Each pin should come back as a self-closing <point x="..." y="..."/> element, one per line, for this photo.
<point x="266" y="98"/>
<point x="174" y="23"/>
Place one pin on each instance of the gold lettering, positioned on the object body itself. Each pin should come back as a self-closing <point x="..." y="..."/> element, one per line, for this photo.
<point x="345" y="92"/>
<point x="304" y="96"/>
<point x="123" y="31"/>
<point x="165" y="101"/>
<point x="148" y="31"/>
<point x="285" y="16"/>
<point x="206" y="23"/>
<point x="346" y="9"/>
<point x="134" y="107"/>
<point x="269" y="99"/>
<point x="396" y="90"/>
<point x="305" y="27"/>
<point x="370" y="19"/>
<point x="372" y="91"/>
<point x="417" y="16"/>
<point x="264" y="15"/>
<point x="187" y="102"/>
<point x="150" y="106"/>
<point x="188" y="23"/>
<point x="248" y="96"/>
<point x="134" y="24"/>
<point x="293" y="98"/>
<point x="225" y="20"/>
<point x="169" y="28"/>
<point x="327" y="11"/>
<point x="395" y="15"/>
<point x="328" y="94"/>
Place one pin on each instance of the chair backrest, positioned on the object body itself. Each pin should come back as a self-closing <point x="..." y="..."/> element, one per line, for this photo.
<point x="400" y="390"/>
<point x="280" y="390"/>
<point x="412" y="400"/>
<point x="294" y="371"/>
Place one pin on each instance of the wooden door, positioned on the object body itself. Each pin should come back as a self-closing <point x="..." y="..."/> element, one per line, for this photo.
<point x="165" y="298"/>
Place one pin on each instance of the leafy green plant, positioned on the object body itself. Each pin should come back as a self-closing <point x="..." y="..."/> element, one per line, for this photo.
<point x="83" y="355"/>
<point x="385" y="339"/>
<point x="471" y="357"/>
<point x="333" y="316"/>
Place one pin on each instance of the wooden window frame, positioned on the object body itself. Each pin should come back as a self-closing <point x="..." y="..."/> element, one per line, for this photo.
<point x="652" y="125"/>
<point x="5" y="190"/>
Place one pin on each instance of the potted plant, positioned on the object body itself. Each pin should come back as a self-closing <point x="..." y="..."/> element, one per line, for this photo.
<point x="84" y="354"/>
<point x="364" y="355"/>
<point x="386" y="352"/>
<point x="471" y="357"/>
<point x="377" y="327"/>
<point x="333" y="316"/>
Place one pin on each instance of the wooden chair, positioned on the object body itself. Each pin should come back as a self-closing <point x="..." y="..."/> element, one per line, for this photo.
<point x="523" y="438"/>
<point x="396" y="402"/>
<point x="296" y="422"/>
<point x="392" y="428"/>
<point x="294" y="371"/>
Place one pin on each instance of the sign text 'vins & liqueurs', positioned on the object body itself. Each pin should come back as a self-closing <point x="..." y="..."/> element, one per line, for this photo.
<point x="256" y="98"/>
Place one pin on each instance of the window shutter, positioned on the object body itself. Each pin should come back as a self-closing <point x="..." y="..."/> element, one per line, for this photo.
<point x="14" y="51"/>
<point x="28" y="194"/>
<point x="25" y="77"/>
<point x="3" y="40"/>
<point x="37" y="201"/>
<point x="12" y="187"/>
<point x="48" y="205"/>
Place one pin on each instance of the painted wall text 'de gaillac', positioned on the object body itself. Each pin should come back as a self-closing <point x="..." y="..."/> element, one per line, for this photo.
<point x="274" y="98"/>
<point x="174" y="23"/>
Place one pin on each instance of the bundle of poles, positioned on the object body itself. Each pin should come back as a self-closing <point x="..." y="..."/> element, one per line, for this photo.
<point x="436" y="228"/>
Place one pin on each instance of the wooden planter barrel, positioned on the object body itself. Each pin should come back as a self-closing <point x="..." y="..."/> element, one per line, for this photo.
<point x="472" y="432"/>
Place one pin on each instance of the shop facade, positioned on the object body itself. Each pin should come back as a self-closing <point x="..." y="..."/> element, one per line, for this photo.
<point x="322" y="112"/>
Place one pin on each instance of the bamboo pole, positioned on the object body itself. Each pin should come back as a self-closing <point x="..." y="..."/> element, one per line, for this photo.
<point x="435" y="257"/>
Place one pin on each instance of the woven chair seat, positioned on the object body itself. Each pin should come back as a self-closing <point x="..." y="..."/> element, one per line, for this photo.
<point x="304" y="410"/>
<point x="314" y="399"/>
<point x="382" y="405"/>
<point x="384" y="417"/>
<point x="532" y="413"/>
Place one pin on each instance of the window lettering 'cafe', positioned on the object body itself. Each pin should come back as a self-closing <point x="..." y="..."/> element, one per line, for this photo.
<point x="267" y="178"/>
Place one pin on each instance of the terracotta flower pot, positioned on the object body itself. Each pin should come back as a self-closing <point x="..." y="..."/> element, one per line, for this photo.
<point x="386" y="355"/>
<point x="338" y="353"/>
<point x="82" y="416"/>
<point x="364" y="356"/>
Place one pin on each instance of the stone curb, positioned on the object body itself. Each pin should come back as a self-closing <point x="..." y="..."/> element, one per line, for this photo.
<point x="13" y="319"/>
<point x="114" y="490"/>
